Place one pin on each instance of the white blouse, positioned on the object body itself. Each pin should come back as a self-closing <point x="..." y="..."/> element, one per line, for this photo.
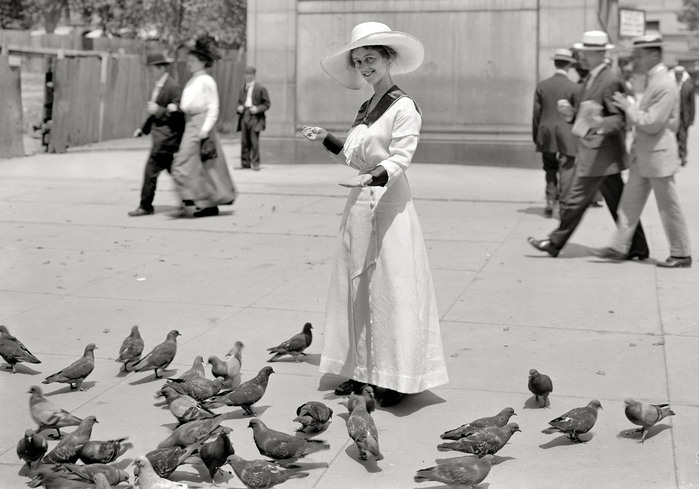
<point x="200" y="94"/>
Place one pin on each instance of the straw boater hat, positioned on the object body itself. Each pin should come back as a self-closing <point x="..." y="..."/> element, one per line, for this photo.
<point x="648" y="41"/>
<point x="410" y="53"/>
<point x="563" y="55"/>
<point x="594" y="41"/>
<point x="157" y="59"/>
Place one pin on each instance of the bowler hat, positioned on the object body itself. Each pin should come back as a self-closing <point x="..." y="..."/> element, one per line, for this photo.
<point x="563" y="55"/>
<point x="409" y="53"/>
<point x="157" y="59"/>
<point x="594" y="41"/>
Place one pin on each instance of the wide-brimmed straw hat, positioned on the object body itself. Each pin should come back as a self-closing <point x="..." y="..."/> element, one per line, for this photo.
<point x="205" y="46"/>
<point x="647" y="41"/>
<point x="594" y="41"/>
<point x="153" y="59"/>
<point x="563" y="55"/>
<point x="409" y="57"/>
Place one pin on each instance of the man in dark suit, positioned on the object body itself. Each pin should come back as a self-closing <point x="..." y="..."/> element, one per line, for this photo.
<point x="165" y="127"/>
<point x="551" y="132"/>
<point x="253" y="102"/>
<point x="684" y="81"/>
<point x="601" y="157"/>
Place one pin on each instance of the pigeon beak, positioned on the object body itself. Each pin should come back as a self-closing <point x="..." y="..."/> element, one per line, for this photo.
<point x="514" y="414"/>
<point x="518" y="430"/>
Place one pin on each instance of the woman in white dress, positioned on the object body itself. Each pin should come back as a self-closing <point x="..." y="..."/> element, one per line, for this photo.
<point x="381" y="320"/>
<point x="202" y="185"/>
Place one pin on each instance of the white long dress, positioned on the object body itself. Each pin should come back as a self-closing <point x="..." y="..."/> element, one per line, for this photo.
<point x="381" y="320"/>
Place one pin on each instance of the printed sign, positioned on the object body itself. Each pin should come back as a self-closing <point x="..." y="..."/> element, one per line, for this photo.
<point x="632" y="23"/>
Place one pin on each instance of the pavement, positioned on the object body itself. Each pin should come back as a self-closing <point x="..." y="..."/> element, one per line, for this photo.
<point x="76" y="269"/>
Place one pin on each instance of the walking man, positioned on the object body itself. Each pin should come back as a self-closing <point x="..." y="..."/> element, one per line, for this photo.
<point x="686" y="85"/>
<point x="253" y="102"/>
<point x="654" y="157"/>
<point x="601" y="152"/>
<point x="551" y="132"/>
<point x="165" y="127"/>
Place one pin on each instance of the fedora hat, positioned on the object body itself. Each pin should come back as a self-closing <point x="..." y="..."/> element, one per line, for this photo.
<point x="647" y="41"/>
<point x="563" y="55"/>
<point x="157" y="59"/>
<point x="594" y="41"/>
<point x="409" y="57"/>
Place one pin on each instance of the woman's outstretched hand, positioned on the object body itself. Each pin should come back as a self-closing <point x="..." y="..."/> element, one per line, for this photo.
<point x="359" y="181"/>
<point x="314" y="133"/>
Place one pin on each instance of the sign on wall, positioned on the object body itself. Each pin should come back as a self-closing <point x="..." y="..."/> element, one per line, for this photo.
<point x="632" y="22"/>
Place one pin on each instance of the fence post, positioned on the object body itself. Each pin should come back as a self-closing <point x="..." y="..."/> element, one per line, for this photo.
<point x="11" y="130"/>
<point x="103" y="93"/>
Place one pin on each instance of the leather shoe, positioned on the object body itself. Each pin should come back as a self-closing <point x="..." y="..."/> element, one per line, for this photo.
<point x="390" y="398"/>
<point x="676" y="262"/>
<point x="206" y="212"/>
<point x="140" y="212"/>
<point x="544" y="245"/>
<point x="639" y="255"/>
<point x="610" y="253"/>
<point x="348" y="387"/>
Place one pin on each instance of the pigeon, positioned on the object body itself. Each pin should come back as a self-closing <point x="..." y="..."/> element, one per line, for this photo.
<point x="161" y="356"/>
<point x="87" y="473"/>
<point x="577" y="421"/>
<point x="215" y="453"/>
<point x="294" y="346"/>
<point x="75" y="373"/>
<point x="368" y="394"/>
<point x="229" y="367"/>
<point x="101" y="481"/>
<point x="131" y="349"/>
<point x="68" y="449"/>
<point x="246" y="394"/>
<point x="280" y="447"/>
<point x="197" y="387"/>
<point x="499" y="420"/>
<point x="196" y="431"/>
<point x="13" y="351"/>
<point x="197" y="370"/>
<point x="31" y="448"/>
<point x="47" y="478"/>
<point x="645" y="415"/>
<point x="260" y="474"/>
<point x="47" y="415"/>
<point x="362" y="429"/>
<point x="483" y="441"/>
<point x="104" y="452"/>
<point x="166" y="460"/>
<point x="147" y="478"/>
<point x="314" y="414"/>
<point x="183" y="407"/>
<point x="540" y="385"/>
<point x="458" y="472"/>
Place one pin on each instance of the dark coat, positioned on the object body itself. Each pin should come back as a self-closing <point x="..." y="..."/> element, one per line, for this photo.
<point x="687" y="103"/>
<point x="603" y="154"/>
<point x="550" y="131"/>
<point x="166" y="128"/>
<point x="260" y="99"/>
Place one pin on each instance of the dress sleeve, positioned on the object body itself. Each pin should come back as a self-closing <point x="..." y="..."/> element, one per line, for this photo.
<point x="405" y="135"/>
<point x="211" y="99"/>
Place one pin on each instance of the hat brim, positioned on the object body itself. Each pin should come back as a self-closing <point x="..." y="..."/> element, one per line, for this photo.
<point x="205" y="54"/>
<point x="568" y="59"/>
<point x="650" y="45"/>
<point x="581" y="47"/>
<point x="410" y="55"/>
<point x="160" y="62"/>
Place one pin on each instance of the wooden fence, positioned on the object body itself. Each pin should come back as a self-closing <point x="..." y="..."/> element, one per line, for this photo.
<point x="74" y="40"/>
<point x="11" y="143"/>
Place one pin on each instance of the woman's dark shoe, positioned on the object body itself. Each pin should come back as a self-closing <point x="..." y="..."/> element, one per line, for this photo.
<point x="390" y="398"/>
<point x="206" y="212"/>
<point x="348" y="387"/>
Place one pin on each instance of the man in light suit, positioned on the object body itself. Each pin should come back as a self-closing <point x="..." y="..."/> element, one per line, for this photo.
<point x="253" y="102"/>
<point x="654" y="157"/>
<point x="687" y="106"/>
<point x="601" y="152"/>
<point x="551" y="132"/>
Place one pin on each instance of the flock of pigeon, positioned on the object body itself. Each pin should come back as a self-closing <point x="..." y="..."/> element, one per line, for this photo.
<point x="200" y="436"/>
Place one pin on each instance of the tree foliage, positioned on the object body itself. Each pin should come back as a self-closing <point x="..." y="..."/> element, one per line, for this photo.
<point x="689" y="14"/>
<point x="18" y="14"/>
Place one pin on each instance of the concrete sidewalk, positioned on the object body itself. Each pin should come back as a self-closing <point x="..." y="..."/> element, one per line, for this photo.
<point x="76" y="269"/>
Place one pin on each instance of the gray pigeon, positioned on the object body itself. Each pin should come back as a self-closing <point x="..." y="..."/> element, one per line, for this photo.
<point x="645" y="415"/>
<point x="260" y="474"/>
<point x="185" y="408"/>
<point x="283" y="448"/>
<point x="459" y="472"/>
<point x="104" y="452"/>
<point x="294" y="346"/>
<point x="499" y="420"/>
<point x="215" y="453"/>
<point x="131" y="349"/>
<point x="229" y="367"/>
<point x="196" y="431"/>
<point x="13" y="351"/>
<point x="31" y="448"/>
<point x="166" y="460"/>
<point x="45" y="477"/>
<point x="577" y="421"/>
<point x="197" y="387"/>
<point x="47" y="415"/>
<point x="101" y="481"/>
<point x="246" y="394"/>
<point x="68" y="449"/>
<point x="314" y="414"/>
<point x="88" y="473"/>
<point x="196" y="371"/>
<point x="362" y="429"/>
<point x="483" y="441"/>
<point x="75" y="373"/>
<point x="161" y="356"/>
<point x="368" y="394"/>
<point x="540" y="385"/>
